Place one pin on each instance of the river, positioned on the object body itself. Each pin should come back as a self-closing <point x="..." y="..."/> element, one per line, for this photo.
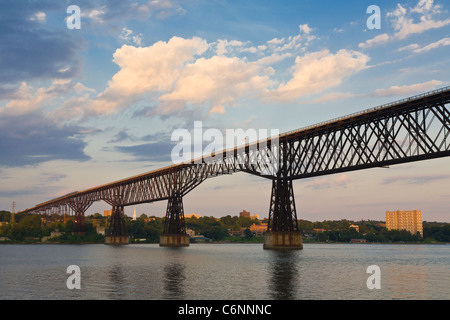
<point x="225" y="271"/>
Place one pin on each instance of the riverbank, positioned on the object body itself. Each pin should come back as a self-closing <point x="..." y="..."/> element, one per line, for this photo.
<point x="231" y="242"/>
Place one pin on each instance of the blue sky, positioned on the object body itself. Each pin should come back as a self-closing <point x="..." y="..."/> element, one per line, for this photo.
<point x="83" y="107"/>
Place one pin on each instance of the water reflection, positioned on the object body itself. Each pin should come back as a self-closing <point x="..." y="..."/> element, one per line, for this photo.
<point x="234" y="271"/>
<point x="406" y="281"/>
<point x="174" y="275"/>
<point x="118" y="282"/>
<point x="284" y="274"/>
<point x="174" y="281"/>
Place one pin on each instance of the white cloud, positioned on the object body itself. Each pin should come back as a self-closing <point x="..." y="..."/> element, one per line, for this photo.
<point x="327" y="183"/>
<point x="224" y="46"/>
<point x="305" y="28"/>
<point x="427" y="7"/>
<point x="26" y="99"/>
<point x="273" y="58"/>
<point x="219" y="81"/>
<point x="137" y="39"/>
<point x="39" y="17"/>
<point x="321" y="70"/>
<point x="275" y="41"/>
<point x="406" y="22"/>
<point x="127" y="35"/>
<point x="408" y="90"/>
<point x="410" y="47"/>
<point x="376" y="41"/>
<point x="152" y="69"/>
<point x="180" y="75"/>
<point x="441" y="43"/>
<point x="95" y="14"/>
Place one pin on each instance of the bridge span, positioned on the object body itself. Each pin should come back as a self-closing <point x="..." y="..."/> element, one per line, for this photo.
<point x="413" y="129"/>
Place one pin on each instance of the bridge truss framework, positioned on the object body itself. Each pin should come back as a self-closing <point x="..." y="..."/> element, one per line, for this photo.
<point x="411" y="129"/>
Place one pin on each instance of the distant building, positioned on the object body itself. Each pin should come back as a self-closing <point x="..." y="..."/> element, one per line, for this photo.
<point x="192" y="216"/>
<point x="405" y="220"/>
<point x="244" y="214"/>
<point x="107" y="213"/>
<point x="358" y="241"/>
<point x="236" y="233"/>
<point x="53" y="234"/>
<point x="355" y="226"/>
<point x="199" y="238"/>
<point x="258" y="229"/>
<point x="101" y="230"/>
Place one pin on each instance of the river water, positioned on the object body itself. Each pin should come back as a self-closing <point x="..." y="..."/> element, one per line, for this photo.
<point x="225" y="271"/>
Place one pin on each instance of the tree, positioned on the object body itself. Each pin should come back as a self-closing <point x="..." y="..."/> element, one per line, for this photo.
<point x="29" y="226"/>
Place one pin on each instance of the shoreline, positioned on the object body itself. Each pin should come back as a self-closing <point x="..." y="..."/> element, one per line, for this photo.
<point x="225" y="242"/>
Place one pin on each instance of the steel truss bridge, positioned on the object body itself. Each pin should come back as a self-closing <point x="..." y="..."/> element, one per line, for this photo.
<point x="412" y="129"/>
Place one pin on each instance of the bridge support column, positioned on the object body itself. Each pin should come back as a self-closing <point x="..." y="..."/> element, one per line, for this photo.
<point x="174" y="234"/>
<point x="79" y="207"/>
<point x="117" y="233"/>
<point x="282" y="230"/>
<point x="79" y="224"/>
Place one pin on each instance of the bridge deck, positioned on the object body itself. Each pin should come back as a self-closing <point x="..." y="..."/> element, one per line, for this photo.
<point x="440" y="97"/>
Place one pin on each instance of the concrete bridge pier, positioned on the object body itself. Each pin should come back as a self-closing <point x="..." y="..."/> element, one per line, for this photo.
<point x="174" y="240"/>
<point x="282" y="230"/>
<point x="283" y="240"/>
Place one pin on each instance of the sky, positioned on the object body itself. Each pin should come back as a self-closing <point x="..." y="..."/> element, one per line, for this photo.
<point x="81" y="107"/>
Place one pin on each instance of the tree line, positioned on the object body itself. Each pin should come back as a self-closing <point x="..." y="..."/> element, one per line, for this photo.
<point x="28" y="227"/>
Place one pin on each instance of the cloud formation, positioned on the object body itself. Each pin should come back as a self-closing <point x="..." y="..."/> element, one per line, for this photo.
<point x="426" y="15"/>
<point x="32" y="51"/>
<point x="407" y="90"/>
<point x="414" y="180"/>
<point x="186" y="74"/>
<point x="31" y="138"/>
<point x="321" y="70"/>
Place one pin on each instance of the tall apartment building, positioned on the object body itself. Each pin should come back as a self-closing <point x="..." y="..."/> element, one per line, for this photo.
<point x="405" y="220"/>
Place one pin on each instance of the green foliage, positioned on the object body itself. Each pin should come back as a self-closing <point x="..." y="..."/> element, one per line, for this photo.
<point x="371" y="231"/>
<point x="210" y="227"/>
<point x="248" y="234"/>
<point x="434" y="231"/>
<point x="5" y="216"/>
<point x="28" y="228"/>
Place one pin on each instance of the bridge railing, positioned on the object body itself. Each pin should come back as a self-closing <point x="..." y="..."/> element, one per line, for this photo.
<point x="352" y="115"/>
